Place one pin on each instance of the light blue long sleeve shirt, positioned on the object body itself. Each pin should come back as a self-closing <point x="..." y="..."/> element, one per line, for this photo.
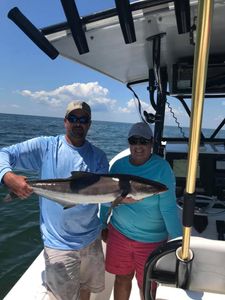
<point x="53" y="157"/>
<point x="155" y="218"/>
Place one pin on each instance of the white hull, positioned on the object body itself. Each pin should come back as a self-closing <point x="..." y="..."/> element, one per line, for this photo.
<point x="208" y="270"/>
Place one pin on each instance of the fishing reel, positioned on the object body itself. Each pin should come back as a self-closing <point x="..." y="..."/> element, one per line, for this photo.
<point x="151" y="118"/>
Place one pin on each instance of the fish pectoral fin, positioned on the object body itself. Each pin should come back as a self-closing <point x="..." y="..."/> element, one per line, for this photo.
<point x="117" y="201"/>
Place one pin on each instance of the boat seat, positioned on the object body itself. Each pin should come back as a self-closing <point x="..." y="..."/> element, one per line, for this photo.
<point x="207" y="272"/>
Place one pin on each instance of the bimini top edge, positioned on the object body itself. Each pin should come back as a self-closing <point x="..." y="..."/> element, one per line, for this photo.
<point x="128" y="41"/>
<point x="108" y="52"/>
<point x="130" y="62"/>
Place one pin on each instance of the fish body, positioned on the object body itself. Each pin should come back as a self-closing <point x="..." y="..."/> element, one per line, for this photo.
<point x="91" y="188"/>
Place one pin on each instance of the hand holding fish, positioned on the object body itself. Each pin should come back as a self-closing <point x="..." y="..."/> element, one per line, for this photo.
<point x="18" y="185"/>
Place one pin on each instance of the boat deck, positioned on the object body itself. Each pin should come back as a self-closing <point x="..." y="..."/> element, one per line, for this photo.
<point x="36" y="289"/>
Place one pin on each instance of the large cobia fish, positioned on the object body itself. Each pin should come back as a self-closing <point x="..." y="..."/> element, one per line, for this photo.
<point x="85" y="187"/>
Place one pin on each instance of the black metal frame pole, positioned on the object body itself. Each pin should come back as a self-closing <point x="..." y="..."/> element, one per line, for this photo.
<point x="160" y="114"/>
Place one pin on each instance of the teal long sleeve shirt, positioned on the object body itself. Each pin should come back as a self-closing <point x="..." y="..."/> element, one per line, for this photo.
<point x="155" y="218"/>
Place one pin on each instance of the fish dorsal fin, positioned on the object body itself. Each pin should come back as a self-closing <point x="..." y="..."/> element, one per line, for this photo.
<point x="81" y="174"/>
<point x="83" y="179"/>
<point x="85" y="176"/>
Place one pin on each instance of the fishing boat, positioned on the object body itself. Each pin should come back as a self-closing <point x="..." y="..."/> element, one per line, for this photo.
<point x="174" y="50"/>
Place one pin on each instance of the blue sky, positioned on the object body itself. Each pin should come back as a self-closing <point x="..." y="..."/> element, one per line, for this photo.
<point x="33" y="84"/>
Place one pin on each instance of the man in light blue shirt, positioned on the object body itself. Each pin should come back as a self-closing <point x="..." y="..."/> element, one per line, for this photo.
<point x="73" y="252"/>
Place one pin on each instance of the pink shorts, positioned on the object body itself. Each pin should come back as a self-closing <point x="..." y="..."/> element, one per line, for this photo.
<point x="125" y="256"/>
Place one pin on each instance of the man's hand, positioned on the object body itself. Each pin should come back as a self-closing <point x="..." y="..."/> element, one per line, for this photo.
<point x="17" y="184"/>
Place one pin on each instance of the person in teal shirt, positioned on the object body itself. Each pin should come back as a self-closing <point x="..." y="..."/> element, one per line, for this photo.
<point x="137" y="228"/>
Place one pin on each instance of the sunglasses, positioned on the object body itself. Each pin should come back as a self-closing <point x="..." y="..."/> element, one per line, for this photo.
<point x="75" y="119"/>
<point x="140" y="141"/>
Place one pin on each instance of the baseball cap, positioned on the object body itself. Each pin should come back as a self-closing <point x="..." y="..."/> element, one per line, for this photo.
<point x="141" y="129"/>
<point x="78" y="105"/>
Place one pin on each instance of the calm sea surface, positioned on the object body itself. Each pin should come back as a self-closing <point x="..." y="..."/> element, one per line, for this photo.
<point x="20" y="239"/>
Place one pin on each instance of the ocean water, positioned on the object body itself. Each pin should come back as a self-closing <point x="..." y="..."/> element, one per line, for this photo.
<point x="20" y="240"/>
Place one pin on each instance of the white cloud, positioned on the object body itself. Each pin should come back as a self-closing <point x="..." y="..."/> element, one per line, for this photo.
<point x="132" y="106"/>
<point x="90" y="92"/>
<point x="93" y="93"/>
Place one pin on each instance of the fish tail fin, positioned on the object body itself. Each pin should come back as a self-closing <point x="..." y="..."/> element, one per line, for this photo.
<point x="9" y="197"/>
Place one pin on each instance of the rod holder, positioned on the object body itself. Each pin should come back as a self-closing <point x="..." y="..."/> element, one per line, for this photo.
<point x="75" y="25"/>
<point x="126" y="20"/>
<point x="183" y="269"/>
<point x="32" y="32"/>
<point x="182" y="10"/>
